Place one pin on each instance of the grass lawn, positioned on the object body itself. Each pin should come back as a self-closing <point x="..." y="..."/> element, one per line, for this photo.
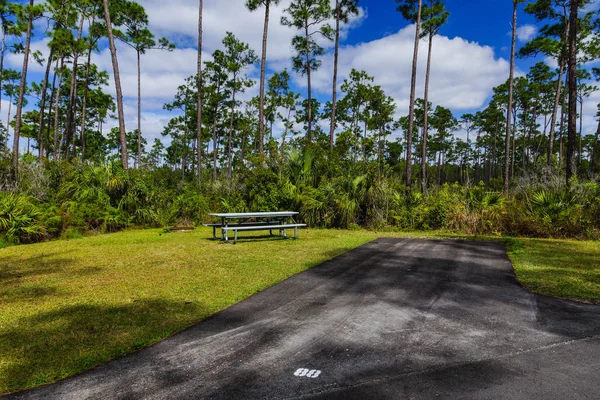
<point x="66" y="306"/>
<point x="560" y="268"/>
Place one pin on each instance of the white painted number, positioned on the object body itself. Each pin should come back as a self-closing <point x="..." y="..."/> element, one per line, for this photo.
<point x="313" y="373"/>
<point x="309" y="373"/>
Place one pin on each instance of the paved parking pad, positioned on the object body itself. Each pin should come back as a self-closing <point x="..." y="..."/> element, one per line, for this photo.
<point x="394" y="319"/>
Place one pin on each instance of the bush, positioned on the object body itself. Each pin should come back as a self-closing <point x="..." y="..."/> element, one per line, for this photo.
<point x="264" y="191"/>
<point x="189" y="208"/>
<point x="19" y="219"/>
<point x="63" y="199"/>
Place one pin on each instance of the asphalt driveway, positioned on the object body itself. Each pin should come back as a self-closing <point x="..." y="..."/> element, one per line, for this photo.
<point x="394" y="319"/>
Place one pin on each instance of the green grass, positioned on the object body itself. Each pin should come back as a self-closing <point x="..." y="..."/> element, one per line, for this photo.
<point x="559" y="268"/>
<point x="69" y="305"/>
<point x="66" y="306"/>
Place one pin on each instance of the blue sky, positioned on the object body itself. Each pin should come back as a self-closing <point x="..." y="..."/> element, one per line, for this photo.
<point x="486" y="22"/>
<point x="470" y="55"/>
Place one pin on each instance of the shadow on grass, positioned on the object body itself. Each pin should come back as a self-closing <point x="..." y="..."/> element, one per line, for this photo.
<point x="21" y="279"/>
<point x="54" y="345"/>
<point x="18" y="293"/>
<point x="254" y="238"/>
<point x="14" y="268"/>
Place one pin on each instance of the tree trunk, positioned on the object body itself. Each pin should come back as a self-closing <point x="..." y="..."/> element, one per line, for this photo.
<point x="70" y="126"/>
<point x="115" y="62"/>
<point x="356" y="134"/>
<point x="230" y="139"/>
<point x="263" y="66"/>
<point x="43" y="106"/>
<point x="524" y="138"/>
<point x="594" y="160"/>
<point x="21" y="97"/>
<point x="379" y="136"/>
<point x="486" y="160"/>
<point x="514" y="144"/>
<point x="49" y="120"/>
<point x="139" y="110"/>
<point x="199" y="101"/>
<point x="494" y="162"/>
<point x="572" y="78"/>
<point x="10" y="102"/>
<point x="562" y="127"/>
<point x="184" y="146"/>
<point x="309" y="132"/>
<point x="411" y="111"/>
<point x="335" y="74"/>
<point x="510" y="98"/>
<point x="531" y="130"/>
<point x="580" y="133"/>
<point x="84" y="101"/>
<point x="466" y="160"/>
<point x="2" y="50"/>
<point x="426" y="116"/>
<point x="215" y="149"/>
<point x="365" y="146"/>
<point x="56" y="103"/>
<point x="561" y="71"/>
<point x="439" y="168"/>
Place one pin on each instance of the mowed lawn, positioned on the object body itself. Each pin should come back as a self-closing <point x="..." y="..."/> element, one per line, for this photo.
<point x="66" y="306"/>
<point x="560" y="268"/>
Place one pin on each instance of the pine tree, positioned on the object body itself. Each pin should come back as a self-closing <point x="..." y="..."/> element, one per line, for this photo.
<point x="133" y="17"/>
<point x="572" y="88"/>
<point x="343" y="10"/>
<point x="253" y="5"/>
<point x="510" y="96"/>
<point x="309" y="16"/>
<point x="238" y="56"/>
<point x="411" y="10"/>
<point x="117" y="77"/>
<point x="28" y="13"/>
<point x="435" y="15"/>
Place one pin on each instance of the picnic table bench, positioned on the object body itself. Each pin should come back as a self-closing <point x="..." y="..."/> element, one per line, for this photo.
<point x="267" y="221"/>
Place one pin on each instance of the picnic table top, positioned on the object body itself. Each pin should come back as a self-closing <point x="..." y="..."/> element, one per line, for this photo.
<point x="255" y="214"/>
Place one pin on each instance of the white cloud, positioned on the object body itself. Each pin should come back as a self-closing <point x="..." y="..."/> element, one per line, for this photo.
<point x="462" y="73"/>
<point x="590" y="108"/>
<point x="552" y="62"/>
<point x="526" y="32"/>
<point x="179" y="18"/>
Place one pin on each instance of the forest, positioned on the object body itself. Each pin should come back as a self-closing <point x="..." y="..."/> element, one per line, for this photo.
<point x="520" y="166"/>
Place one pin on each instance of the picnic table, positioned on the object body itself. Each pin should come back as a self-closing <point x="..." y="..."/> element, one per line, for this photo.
<point x="254" y="221"/>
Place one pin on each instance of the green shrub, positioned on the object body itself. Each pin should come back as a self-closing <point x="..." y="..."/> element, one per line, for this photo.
<point x="19" y="219"/>
<point x="264" y="191"/>
<point x="189" y="208"/>
<point x="115" y="219"/>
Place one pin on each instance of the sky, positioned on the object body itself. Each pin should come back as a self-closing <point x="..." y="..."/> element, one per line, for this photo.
<point x="470" y="55"/>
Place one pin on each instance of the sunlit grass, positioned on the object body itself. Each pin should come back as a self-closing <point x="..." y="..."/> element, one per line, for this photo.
<point x="69" y="305"/>
<point x="560" y="268"/>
